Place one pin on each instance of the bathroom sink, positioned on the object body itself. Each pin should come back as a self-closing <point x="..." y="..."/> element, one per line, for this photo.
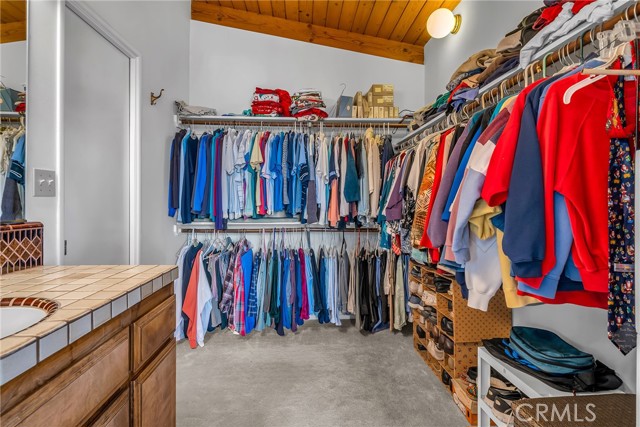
<point x="17" y="314"/>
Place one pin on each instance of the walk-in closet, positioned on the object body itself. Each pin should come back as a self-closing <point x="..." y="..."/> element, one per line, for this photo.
<point x="280" y="213"/>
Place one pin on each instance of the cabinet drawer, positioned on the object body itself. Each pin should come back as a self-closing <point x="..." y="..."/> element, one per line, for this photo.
<point x="116" y="414"/>
<point x="72" y="397"/>
<point x="152" y="330"/>
<point x="154" y="391"/>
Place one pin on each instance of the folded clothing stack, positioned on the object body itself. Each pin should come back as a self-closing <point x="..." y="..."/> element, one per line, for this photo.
<point x="21" y="103"/>
<point x="308" y="105"/>
<point x="270" y="102"/>
<point x="560" y="17"/>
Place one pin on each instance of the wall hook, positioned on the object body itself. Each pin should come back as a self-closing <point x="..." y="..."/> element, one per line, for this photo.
<point x="155" y="98"/>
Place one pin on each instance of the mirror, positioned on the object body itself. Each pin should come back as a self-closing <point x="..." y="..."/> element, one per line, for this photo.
<point x="13" y="86"/>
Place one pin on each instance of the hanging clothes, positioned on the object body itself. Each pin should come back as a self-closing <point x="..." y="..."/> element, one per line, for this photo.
<point x="231" y="174"/>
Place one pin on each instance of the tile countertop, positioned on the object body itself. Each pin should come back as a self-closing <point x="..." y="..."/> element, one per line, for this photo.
<point x="87" y="297"/>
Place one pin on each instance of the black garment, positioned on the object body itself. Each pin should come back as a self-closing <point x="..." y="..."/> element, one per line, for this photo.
<point x="359" y="166"/>
<point x="365" y="289"/>
<point x="384" y="301"/>
<point x="373" y="296"/>
<point x="387" y="154"/>
<point x="323" y="313"/>
<point x="187" y="268"/>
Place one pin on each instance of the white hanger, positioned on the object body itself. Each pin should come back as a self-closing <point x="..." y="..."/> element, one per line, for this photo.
<point x="620" y="50"/>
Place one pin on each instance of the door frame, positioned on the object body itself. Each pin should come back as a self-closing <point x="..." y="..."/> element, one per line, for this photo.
<point x="82" y="10"/>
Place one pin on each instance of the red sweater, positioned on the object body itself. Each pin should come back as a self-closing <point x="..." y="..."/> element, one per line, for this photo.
<point x="575" y="156"/>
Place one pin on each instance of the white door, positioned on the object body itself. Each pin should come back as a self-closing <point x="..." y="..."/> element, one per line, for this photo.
<point x="96" y="147"/>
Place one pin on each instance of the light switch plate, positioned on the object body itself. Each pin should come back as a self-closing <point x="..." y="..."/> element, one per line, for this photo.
<point x="44" y="183"/>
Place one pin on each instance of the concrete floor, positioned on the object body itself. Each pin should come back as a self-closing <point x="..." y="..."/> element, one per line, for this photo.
<point x="321" y="376"/>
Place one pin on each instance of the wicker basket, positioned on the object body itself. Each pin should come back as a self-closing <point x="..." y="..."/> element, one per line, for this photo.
<point x="21" y="246"/>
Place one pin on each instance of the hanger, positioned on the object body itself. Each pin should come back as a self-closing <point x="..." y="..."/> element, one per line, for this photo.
<point x="598" y="74"/>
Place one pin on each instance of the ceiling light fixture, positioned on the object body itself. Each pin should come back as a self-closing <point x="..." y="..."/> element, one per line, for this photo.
<point x="443" y="22"/>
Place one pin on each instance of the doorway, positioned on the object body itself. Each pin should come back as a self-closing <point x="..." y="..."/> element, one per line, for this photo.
<point x="97" y="147"/>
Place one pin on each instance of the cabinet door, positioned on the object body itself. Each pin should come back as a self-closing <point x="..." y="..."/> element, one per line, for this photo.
<point x="116" y="414"/>
<point x="154" y="391"/>
<point x="151" y="331"/>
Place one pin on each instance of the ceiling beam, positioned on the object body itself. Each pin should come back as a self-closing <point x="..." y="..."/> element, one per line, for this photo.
<point x="13" y="32"/>
<point x="219" y="15"/>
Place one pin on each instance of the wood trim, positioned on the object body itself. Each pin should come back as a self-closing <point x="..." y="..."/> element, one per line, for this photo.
<point x="13" y="32"/>
<point x="310" y="33"/>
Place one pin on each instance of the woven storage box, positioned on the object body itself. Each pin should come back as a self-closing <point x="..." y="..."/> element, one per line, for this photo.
<point x="21" y="246"/>
<point x="606" y="410"/>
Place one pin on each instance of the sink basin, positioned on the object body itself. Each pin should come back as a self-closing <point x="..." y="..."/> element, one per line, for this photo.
<point x="17" y="314"/>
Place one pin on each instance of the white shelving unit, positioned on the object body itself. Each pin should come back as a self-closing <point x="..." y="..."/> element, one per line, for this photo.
<point x="527" y="384"/>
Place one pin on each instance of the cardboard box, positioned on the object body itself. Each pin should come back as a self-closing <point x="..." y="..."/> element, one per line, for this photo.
<point x="381" y="89"/>
<point x="396" y="112"/>
<point x="383" y="101"/>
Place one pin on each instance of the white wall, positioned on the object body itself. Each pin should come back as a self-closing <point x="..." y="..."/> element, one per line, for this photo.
<point x="484" y="23"/>
<point x="43" y="118"/>
<point x="159" y="30"/>
<point x="227" y="64"/>
<point x="13" y="64"/>
<point x="586" y="328"/>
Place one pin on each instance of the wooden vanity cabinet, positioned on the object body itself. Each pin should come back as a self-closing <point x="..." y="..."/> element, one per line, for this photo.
<point x="122" y="373"/>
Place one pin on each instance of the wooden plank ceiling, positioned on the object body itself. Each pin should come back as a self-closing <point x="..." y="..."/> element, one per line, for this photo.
<point x="393" y="29"/>
<point x="13" y="20"/>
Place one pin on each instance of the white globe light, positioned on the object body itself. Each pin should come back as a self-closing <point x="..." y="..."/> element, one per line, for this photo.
<point x="442" y="22"/>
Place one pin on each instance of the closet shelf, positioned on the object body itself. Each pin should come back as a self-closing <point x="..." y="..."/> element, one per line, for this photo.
<point x="397" y="123"/>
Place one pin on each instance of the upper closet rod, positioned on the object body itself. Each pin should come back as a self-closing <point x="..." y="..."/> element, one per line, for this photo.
<point x="498" y="92"/>
<point x="289" y="228"/>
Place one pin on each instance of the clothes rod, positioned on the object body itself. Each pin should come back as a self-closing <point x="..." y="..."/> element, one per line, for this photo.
<point x="289" y="228"/>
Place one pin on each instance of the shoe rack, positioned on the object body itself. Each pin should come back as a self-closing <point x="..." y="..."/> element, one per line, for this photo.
<point x="470" y="326"/>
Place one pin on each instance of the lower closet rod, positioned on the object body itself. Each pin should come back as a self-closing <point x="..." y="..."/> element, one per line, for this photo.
<point x="288" y="229"/>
